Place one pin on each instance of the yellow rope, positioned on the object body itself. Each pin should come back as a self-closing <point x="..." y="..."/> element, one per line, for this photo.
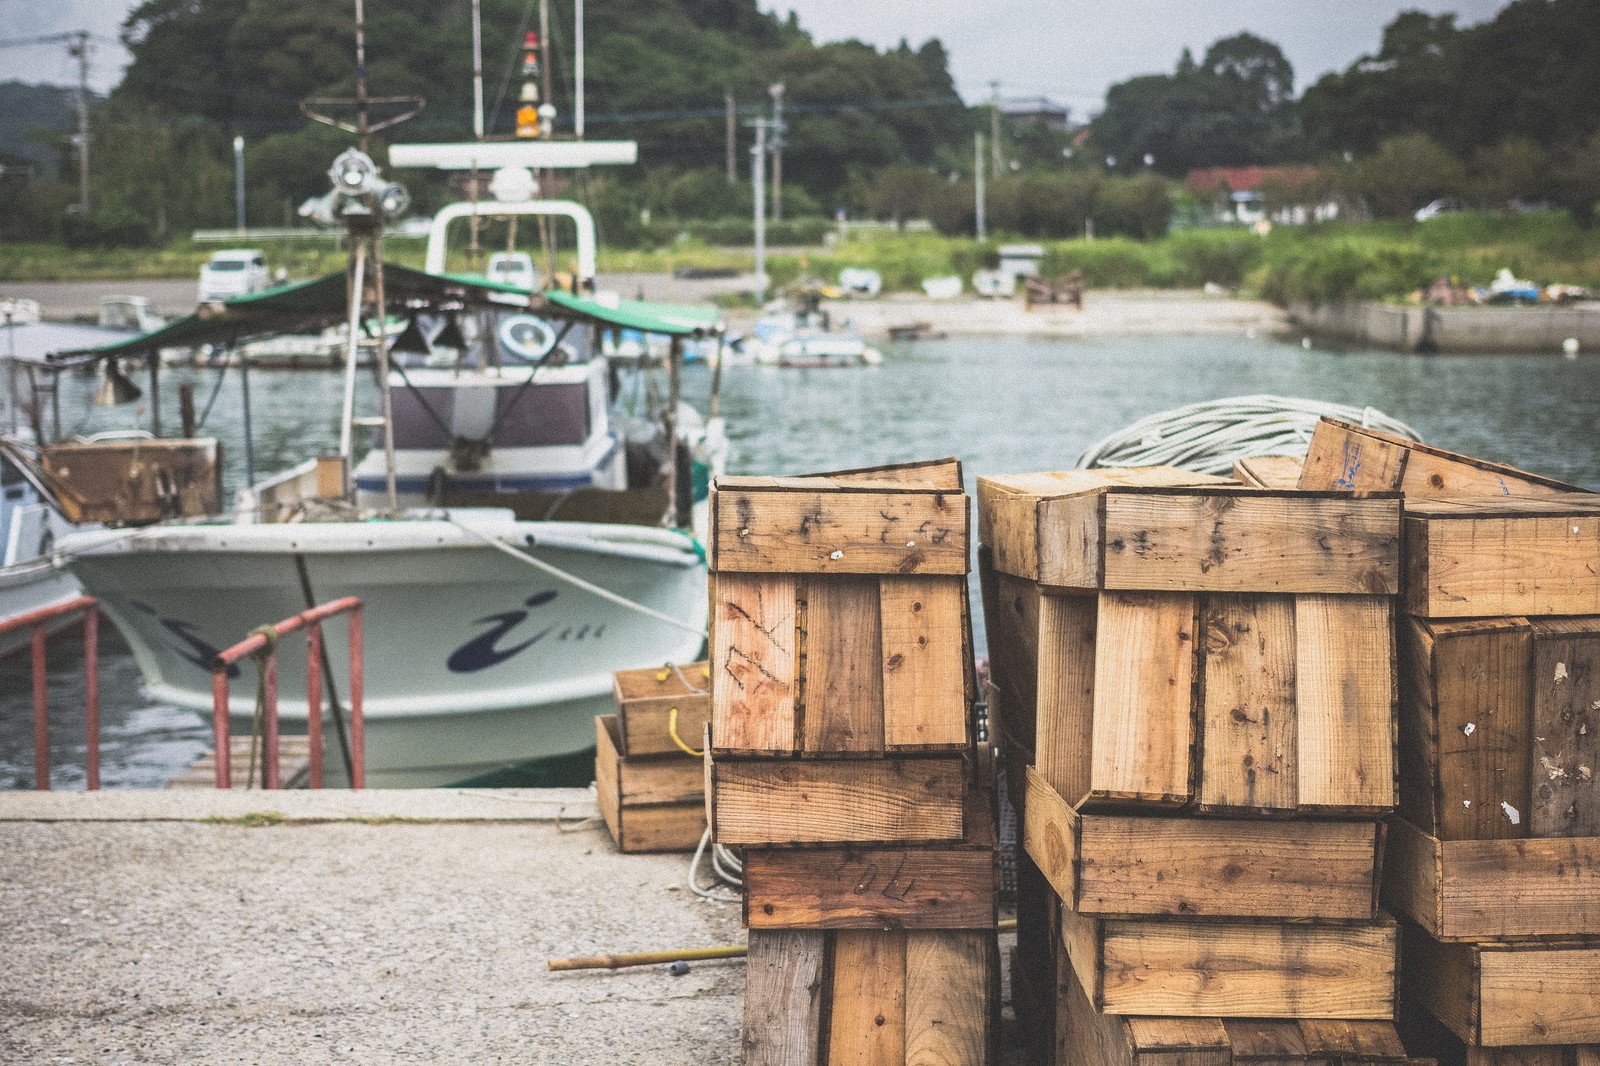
<point x="672" y="728"/>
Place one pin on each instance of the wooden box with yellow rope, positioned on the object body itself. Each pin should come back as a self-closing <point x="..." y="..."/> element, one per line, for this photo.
<point x="663" y="710"/>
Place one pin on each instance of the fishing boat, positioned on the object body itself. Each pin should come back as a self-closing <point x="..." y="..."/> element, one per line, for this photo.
<point x="522" y="527"/>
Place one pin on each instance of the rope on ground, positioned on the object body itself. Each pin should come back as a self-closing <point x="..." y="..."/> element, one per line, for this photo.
<point x="576" y="581"/>
<point x="1209" y="437"/>
<point x="727" y="872"/>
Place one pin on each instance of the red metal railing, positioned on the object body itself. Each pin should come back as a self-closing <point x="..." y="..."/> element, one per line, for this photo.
<point x="259" y="643"/>
<point x="39" y="621"/>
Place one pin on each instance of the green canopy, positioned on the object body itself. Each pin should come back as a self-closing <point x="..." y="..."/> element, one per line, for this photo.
<point x="307" y="306"/>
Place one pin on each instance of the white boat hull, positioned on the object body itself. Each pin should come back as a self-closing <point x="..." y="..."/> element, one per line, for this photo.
<point x="474" y="660"/>
<point x="27" y="587"/>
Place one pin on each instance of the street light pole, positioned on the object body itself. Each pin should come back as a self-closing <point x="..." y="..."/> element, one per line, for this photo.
<point x="758" y="184"/>
<point x="777" y="151"/>
<point x="238" y="184"/>
<point x="977" y="159"/>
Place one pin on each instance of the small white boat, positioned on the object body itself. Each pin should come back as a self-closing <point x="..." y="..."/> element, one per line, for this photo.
<point x="29" y="528"/>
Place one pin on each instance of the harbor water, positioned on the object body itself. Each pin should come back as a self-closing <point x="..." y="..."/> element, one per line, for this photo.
<point x="1000" y="405"/>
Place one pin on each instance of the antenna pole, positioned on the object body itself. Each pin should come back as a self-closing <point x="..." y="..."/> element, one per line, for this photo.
<point x="577" y="66"/>
<point x="361" y="76"/>
<point x="477" y="69"/>
<point x="78" y="48"/>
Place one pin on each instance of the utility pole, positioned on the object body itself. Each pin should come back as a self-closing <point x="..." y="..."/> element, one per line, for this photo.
<point x="777" y="151"/>
<point x="238" y="184"/>
<point x="577" y="68"/>
<point x="544" y="60"/>
<point x="78" y="48"/>
<point x="977" y="189"/>
<point x="994" y="124"/>
<point x="477" y="72"/>
<point x="733" y="172"/>
<point x="758" y="183"/>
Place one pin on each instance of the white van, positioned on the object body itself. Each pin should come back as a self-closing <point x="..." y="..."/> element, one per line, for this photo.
<point x="236" y="272"/>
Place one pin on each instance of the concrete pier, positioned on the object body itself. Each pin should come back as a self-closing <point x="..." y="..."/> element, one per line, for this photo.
<point x="371" y="927"/>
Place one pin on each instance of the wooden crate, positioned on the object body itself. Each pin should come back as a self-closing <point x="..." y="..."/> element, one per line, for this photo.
<point x="1498" y="557"/>
<point x="1111" y="530"/>
<point x="808" y="665"/>
<point x="1269" y="471"/>
<point x="649" y="804"/>
<point x="778" y="802"/>
<point x="1091" y="1038"/>
<point x="1506" y="995"/>
<point x="849" y="996"/>
<point x="1111" y="865"/>
<point x="1351" y="458"/>
<point x="1483" y="890"/>
<point x="1424" y="1035"/>
<point x="1500" y="727"/>
<point x="646" y="700"/>
<point x="1181" y="968"/>
<point x="929" y="886"/>
<point x="1229" y="703"/>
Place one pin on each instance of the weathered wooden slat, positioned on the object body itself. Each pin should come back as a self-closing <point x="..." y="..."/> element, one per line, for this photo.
<point x="1249" y="740"/>
<point x="1143" y="733"/>
<point x="1565" y="765"/>
<point x="1264" y="1042"/>
<point x="867" y="1024"/>
<point x="1177" y="968"/>
<point x="1358" y="459"/>
<point x="784" y="978"/>
<point x="924" y="677"/>
<point x="1137" y="865"/>
<point x="841" y="677"/>
<point x="1087" y="1037"/>
<point x="646" y="698"/>
<point x="1352" y="1041"/>
<point x="754" y="672"/>
<point x="607" y="787"/>
<point x="1065" y="685"/>
<point x="1344" y="697"/>
<point x="1507" y="995"/>
<point x="649" y="804"/>
<point x="925" y="474"/>
<point x="1280" y="472"/>
<point x="1011" y="614"/>
<point x="947" y="998"/>
<point x="1241" y="540"/>
<point x="1484" y="890"/>
<point x="846" y="531"/>
<point x="766" y="802"/>
<point x="1533" y="557"/>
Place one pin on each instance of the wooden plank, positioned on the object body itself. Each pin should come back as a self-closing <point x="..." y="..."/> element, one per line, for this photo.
<point x="1269" y="471"/>
<point x="1439" y="978"/>
<point x="1242" y="540"/>
<point x="1248" y="736"/>
<point x="1537" y="995"/>
<point x="1482" y="890"/>
<point x="1481" y="716"/>
<point x="1344" y="697"/>
<point x="1189" y="969"/>
<point x="841" y="679"/>
<point x="655" y="780"/>
<point x="874" y="531"/>
<point x="924" y="681"/>
<point x="947" y="1007"/>
<point x="1565" y="797"/>
<point x="1534" y="558"/>
<point x="923" y="887"/>
<point x="294" y="765"/>
<point x="1264" y="1042"/>
<point x="1352" y="1041"/>
<point x="753" y="659"/>
<point x="1013" y="624"/>
<point x="1123" y="866"/>
<point x="607" y="786"/>
<point x="867" y="1009"/>
<point x="1417" y="725"/>
<point x="1063" y="738"/>
<point x="1143" y="731"/>
<point x="784" y="976"/>
<point x="661" y="828"/>
<point x="924" y="474"/>
<point x="1355" y="458"/>
<point x="765" y="803"/>
<point x="645" y="700"/>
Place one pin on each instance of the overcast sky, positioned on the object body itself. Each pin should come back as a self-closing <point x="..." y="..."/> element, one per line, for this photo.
<point x="1068" y="51"/>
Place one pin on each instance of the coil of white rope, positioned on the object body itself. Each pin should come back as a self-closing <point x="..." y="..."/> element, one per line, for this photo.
<point x="1208" y="437"/>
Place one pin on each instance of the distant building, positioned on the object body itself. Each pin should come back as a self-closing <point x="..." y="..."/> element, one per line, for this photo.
<point x="1289" y="194"/>
<point x="1037" y="109"/>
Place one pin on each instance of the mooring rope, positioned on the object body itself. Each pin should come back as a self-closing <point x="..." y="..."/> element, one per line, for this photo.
<point x="258" y="722"/>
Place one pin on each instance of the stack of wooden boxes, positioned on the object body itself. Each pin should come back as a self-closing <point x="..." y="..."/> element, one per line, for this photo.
<point x="841" y="759"/>
<point x="1193" y="681"/>
<point x="1494" y="860"/>
<point x="650" y="790"/>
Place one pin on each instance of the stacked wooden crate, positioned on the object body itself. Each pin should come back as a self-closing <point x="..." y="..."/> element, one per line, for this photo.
<point x="1494" y="859"/>
<point x="841" y="758"/>
<point x="1196" y="682"/>
<point x="649" y="783"/>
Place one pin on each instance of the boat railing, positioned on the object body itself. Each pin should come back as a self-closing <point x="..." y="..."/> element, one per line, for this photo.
<point x="263" y="643"/>
<point x="39" y="621"/>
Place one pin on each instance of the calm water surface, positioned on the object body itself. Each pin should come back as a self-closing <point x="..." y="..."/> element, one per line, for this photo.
<point x="1000" y="405"/>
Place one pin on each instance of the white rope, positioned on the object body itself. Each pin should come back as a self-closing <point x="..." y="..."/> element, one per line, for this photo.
<point x="726" y="870"/>
<point x="576" y="581"/>
<point x="1208" y="437"/>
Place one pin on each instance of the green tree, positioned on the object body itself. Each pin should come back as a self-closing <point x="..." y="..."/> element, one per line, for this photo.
<point x="1407" y="172"/>
<point x="901" y="191"/>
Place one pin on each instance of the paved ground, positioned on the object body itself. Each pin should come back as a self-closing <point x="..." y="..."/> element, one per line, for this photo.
<point x="133" y="940"/>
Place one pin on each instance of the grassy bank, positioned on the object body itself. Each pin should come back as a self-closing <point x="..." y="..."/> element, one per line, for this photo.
<point x="1368" y="260"/>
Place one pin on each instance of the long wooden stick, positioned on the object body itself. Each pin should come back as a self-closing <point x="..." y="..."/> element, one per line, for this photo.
<point x="656" y="958"/>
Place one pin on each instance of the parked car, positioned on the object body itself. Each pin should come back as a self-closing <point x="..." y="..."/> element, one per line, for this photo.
<point x="235" y="272"/>
<point x="1447" y="205"/>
